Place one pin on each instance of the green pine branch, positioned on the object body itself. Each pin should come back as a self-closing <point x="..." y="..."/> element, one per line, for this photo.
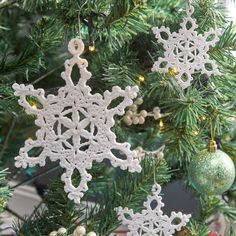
<point x="5" y="193"/>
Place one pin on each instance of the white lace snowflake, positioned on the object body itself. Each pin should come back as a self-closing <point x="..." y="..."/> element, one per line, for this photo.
<point x="186" y="51"/>
<point x="75" y="126"/>
<point x="151" y="221"/>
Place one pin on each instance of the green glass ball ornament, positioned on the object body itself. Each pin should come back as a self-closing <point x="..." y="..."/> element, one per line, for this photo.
<point x="211" y="172"/>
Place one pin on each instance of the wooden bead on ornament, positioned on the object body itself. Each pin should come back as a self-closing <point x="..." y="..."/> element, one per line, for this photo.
<point x="62" y="230"/>
<point x="156" y="110"/>
<point x="143" y="113"/>
<point x="91" y="234"/>
<point x="53" y="233"/>
<point x="138" y="101"/>
<point x="157" y="113"/>
<point x="160" y="155"/>
<point x="135" y="120"/>
<point x="129" y="113"/>
<point x="157" y="116"/>
<point x="139" y="149"/>
<point x="128" y="120"/>
<point x="141" y="120"/>
<point x="133" y="108"/>
<point x="79" y="231"/>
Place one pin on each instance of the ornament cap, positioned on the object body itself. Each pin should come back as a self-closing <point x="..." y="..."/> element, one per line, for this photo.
<point x="212" y="146"/>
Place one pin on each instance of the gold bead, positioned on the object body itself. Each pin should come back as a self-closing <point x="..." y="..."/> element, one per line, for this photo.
<point x="141" y="78"/>
<point x="91" y="48"/>
<point x="173" y="71"/>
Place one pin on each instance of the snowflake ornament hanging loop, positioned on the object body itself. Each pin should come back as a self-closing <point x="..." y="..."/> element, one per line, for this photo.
<point x="190" y="11"/>
<point x="76" y="47"/>
<point x="151" y="221"/>
<point x="75" y="126"/>
<point x="186" y="51"/>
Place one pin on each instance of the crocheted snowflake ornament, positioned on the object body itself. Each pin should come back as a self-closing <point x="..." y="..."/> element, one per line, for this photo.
<point x="151" y="221"/>
<point x="75" y="126"/>
<point x="186" y="51"/>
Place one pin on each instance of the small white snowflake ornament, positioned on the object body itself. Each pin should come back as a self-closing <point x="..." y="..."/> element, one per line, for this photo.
<point x="151" y="221"/>
<point x="75" y="125"/>
<point x="186" y="51"/>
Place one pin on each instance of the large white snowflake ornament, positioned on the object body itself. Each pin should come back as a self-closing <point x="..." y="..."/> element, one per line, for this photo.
<point x="75" y="126"/>
<point x="151" y="221"/>
<point x="186" y="51"/>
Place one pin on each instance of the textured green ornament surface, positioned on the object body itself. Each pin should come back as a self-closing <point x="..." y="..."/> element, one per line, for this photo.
<point x="212" y="172"/>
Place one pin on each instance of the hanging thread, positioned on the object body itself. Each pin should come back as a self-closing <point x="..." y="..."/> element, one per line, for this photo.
<point x="79" y="22"/>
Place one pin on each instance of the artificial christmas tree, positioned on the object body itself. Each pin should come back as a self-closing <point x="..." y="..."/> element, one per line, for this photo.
<point x="172" y="120"/>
